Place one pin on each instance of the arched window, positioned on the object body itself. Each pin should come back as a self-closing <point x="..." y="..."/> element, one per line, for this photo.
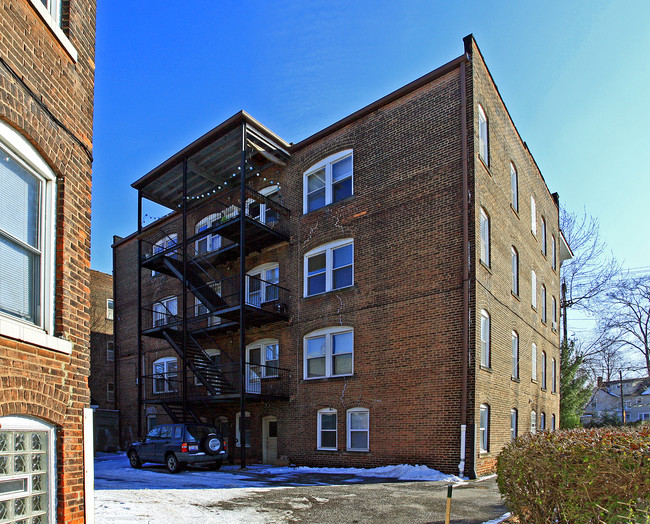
<point x="514" y="187"/>
<point x="542" y="421"/>
<point x="262" y="361"/>
<point x="544" y="304"/>
<point x="327" y="430"/>
<point x="263" y="211"/>
<point x="485" y="339"/>
<point x="533" y="357"/>
<point x="165" y="311"/>
<point x="533" y="215"/>
<point x="553" y="376"/>
<point x="533" y="289"/>
<point x="328" y="181"/>
<point x="211" y="241"/>
<point x="483" y="145"/>
<point x="329" y="352"/>
<point x="514" y="259"/>
<point x="543" y="239"/>
<point x="533" y="421"/>
<point x="515" y="355"/>
<point x="484" y="428"/>
<point x="358" y="424"/>
<point x="262" y="284"/>
<point x="165" y="375"/>
<point x="28" y="476"/>
<point x="329" y="267"/>
<point x="543" y="369"/>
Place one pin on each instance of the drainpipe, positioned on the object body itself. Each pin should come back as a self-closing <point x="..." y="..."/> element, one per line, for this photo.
<point x="465" y="310"/>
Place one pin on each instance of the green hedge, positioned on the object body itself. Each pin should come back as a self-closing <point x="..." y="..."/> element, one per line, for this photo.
<point x="578" y="476"/>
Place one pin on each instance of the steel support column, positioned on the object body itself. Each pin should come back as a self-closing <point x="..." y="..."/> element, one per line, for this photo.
<point x="184" y="287"/>
<point x="139" y="320"/>
<point x="242" y="298"/>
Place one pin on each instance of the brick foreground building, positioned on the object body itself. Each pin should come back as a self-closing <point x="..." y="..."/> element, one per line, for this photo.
<point x="47" y="67"/>
<point x="384" y="291"/>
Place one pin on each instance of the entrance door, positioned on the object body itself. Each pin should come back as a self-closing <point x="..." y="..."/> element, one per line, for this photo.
<point x="270" y="440"/>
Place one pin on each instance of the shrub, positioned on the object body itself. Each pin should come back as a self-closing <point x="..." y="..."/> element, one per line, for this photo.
<point x="578" y="476"/>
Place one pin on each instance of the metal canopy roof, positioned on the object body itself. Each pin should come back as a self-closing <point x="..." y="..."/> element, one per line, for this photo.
<point x="214" y="162"/>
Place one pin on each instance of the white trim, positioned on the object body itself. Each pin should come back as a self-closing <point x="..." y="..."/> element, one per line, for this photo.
<point x="89" y="465"/>
<point x="533" y="215"/>
<point x="349" y="429"/>
<point x="514" y="187"/>
<point x="55" y="26"/>
<point x="319" y="445"/>
<point x="327" y="333"/>
<point x="533" y="288"/>
<point x="485" y="338"/>
<point x="483" y="136"/>
<point x="259" y="272"/>
<point x="484" y="224"/>
<point x="326" y="164"/>
<point x="167" y="387"/>
<point x="533" y="356"/>
<point x="210" y="238"/>
<point x="484" y="429"/>
<point x="261" y="344"/>
<point x="328" y="249"/>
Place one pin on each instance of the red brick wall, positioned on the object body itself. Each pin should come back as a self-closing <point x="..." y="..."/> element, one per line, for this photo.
<point x="48" y="98"/>
<point x="102" y="371"/>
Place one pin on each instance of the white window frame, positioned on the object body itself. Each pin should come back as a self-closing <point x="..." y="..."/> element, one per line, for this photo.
<point x="533" y="215"/>
<point x="328" y="333"/>
<point x="200" y="309"/>
<point x="553" y="253"/>
<point x="328" y="249"/>
<point x="515" y="355"/>
<point x="514" y="422"/>
<point x="25" y="424"/>
<point x="213" y="240"/>
<point x="40" y="333"/>
<point x="485" y="338"/>
<point x="167" y="387"/>
<point x="514" y="187"/>
<point x="544" y="363"/>
<point x="533" y="369"/>
<point x="164" y="244"/>
<point x="267" y="192"/>
<point x="533" y="421"/>
<point x="533" y="289"/>
<point x="485" y="237"/>
<point x="484" y="428"/>
<point x="543" y="239"/>
<point x="349" y="428"/>
<point x="51" y="15"/>
<point x="544" y="318"/>
<point x="110" y="351"/>
<point x="326" y="164"/>
<point x="264" y="371"/>
<point x="238" y="439"/>
<point x="164" y="312"/>
<point x="483" y="136"/>
<point x="320" y="430"/>
<point x="266" y="286"/>
<point x="514" y="261"/>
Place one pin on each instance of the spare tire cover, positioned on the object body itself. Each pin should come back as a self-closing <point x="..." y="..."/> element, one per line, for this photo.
<point x="212" y="444"/>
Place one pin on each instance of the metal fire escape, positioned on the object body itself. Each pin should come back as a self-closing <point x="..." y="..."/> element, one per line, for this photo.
<point x="189" y="293"/>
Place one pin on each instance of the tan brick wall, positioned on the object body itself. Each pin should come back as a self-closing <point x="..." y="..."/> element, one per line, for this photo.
<point x="48" y="98"/>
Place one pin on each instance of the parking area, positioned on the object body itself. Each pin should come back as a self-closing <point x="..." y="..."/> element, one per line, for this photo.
<point x="264" y="494"/>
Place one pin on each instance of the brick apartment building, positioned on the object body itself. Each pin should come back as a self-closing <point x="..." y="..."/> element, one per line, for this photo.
<point x="102" y="362"/>
<point x="384" y="291"/>
<point x="47" y="67"/>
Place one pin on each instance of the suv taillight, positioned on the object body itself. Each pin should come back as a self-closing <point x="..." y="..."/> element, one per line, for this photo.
<point x="184" y="447"/>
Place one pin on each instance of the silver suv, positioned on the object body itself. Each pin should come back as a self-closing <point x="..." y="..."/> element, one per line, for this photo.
<point x="177" y="445"/>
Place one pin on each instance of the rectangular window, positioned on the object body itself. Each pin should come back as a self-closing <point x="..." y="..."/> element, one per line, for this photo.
<point x="513" y="424"/>
<point x="485" y="339"/>
<point x="328" y="181"/>
<point x="358" y="429"/>
<point x="544" y="303"/>
<point x="329" y="354"/>
<point x="110" y="351"/>
<point x="514" y="191"/>
<point x="533" y="289"/>
<point x="329" y="267"/>
<point x="533" y="357"/>
<point x="54" y="8"/>
<point x="483" y="146"/>
<point x="514" y="258"/>
<point x="533" y="422"/>
<point x="485" y="238"/>
<point x="554" y="314"/>
<point x="515" y="355"/>
<point x="109" y="309"/>
<point x="327" y="429"/>
<point x="484" y="428"/>
<point x="533" y="215"/>
<point x="543" y="225"/>
<point x="164" y="312"/>
<point x="543" y="370"/>
<point x="553" y="252"/>
<point x="553" y="377"/>
<point x="110" y="392"/>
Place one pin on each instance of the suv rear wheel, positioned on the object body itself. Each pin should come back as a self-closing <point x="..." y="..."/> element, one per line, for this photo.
<point x="211" y="444"/>
<point x="172" y="463"/>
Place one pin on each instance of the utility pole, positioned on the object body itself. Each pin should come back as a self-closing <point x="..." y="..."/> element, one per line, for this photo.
<point x="564" y="327"/>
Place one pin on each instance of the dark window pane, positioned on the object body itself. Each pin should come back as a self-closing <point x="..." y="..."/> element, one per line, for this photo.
<point x="316" y="200"/>
<point x="328" y="439"/>
<point x="341" y="190"/>
<point x="342" y="277"/>
<point x="359" y="440"/>
<point x="316" y="367"/>
<point x="343" y="256"/>
<point x="316" y="284"/>
<point x="328" y="421"/>
<point x="343" y="364"/>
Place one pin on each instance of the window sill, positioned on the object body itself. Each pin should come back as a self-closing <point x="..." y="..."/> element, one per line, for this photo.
<point x="334" y="377"/>
<point x="533" y="380"/>
<point x="331" y="450"/>
<point x="485" y="368"/>
<point x="325" y="293"/>
<point x="485" y="164"/>
<point x="33" y="335"/>
<point x="485" y="266"/>
<point x="515" y="379"/>
<point x="515" y="295"/>
<point x="54" y="28"/>
<point x="357" y="450"/>
<point x="516" y="212"/>
<point x="346" y="199"/>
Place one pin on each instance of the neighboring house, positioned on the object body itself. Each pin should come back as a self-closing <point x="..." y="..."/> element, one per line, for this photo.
<point x="102" y="362"/>
<point x="606" y="401"/>
<point x="384" y="291"/>
<point x="47" y="54"/>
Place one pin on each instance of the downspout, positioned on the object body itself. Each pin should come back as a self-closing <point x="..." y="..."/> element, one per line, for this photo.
<point x="465" y="310"/>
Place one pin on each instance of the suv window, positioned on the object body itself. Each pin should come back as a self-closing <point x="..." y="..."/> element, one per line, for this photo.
<point x="198" y="432"/>
<point x="178" y="432"/>
<point x="166" y="432"/>
<point x="154" y="433"/>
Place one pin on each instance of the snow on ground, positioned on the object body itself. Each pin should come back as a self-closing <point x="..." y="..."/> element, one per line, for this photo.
<point x="151" y="494"/>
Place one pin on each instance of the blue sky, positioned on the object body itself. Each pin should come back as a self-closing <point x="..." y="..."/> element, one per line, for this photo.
<point x="574" y="76"/>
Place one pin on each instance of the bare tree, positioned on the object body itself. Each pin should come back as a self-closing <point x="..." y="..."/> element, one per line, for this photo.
<point x="607" y="357"/>
<point x="588" y="274"/>
<point x="625" y="315"/>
